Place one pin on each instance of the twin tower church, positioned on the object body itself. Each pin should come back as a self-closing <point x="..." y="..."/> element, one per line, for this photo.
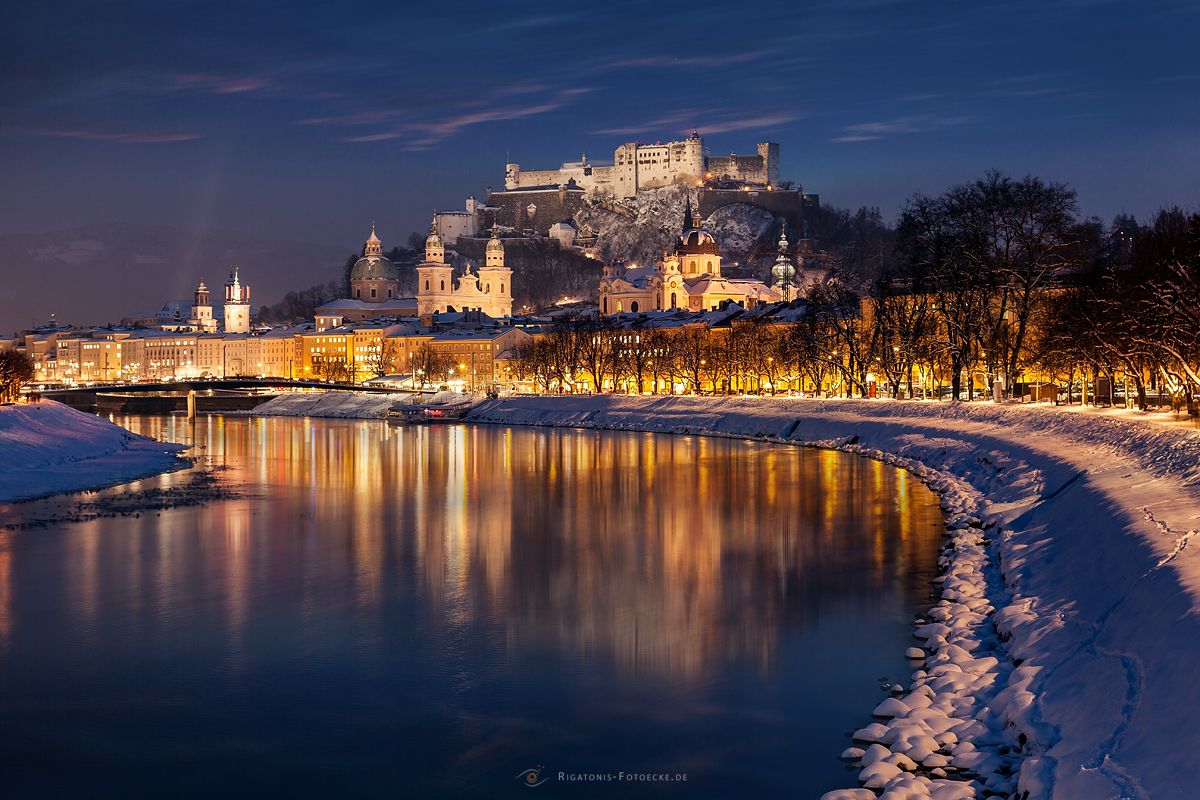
<point x="375" y="285"/>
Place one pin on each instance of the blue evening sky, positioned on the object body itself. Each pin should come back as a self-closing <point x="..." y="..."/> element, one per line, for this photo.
<point x="311" y="119"/>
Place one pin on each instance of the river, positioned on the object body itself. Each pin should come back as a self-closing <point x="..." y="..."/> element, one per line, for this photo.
<point x="364" y="610"/>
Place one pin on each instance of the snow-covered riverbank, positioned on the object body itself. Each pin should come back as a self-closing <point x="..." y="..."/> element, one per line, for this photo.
<point x="47" y="448"/>
<point x="336" y="405"/>
<point x="345" y="405"/>
<point x="1061" y="660"/>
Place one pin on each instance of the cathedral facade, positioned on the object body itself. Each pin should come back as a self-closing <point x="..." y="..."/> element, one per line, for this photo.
<point x="688" y="277"/>
<point x="487" y="289"/>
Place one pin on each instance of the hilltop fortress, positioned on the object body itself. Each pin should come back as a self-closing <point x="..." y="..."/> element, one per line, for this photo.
<point x="637" y="166"/>
<point x="557" y="202"/>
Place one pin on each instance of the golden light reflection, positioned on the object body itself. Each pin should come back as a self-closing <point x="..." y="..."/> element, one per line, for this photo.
<point x="5" y="589"/>
<point x="662" y="555"/>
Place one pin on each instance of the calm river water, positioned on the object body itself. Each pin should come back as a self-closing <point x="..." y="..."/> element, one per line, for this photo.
<point x="434" y="611"/>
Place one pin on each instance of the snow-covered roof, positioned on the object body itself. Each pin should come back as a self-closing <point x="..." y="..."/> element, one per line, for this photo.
<point x="471" y="334"/>
<point x="399" y="305"/>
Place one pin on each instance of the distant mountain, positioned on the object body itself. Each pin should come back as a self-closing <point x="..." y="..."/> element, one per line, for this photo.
<point x="100" y="273"/>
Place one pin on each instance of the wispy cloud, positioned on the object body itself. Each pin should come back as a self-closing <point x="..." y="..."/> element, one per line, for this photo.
<point x="1191" y="76"/>
<point x="424" y="134"/>
<point x="375" y="116"/>
<point x="670" y="120"/>
<point x="132" y="137"/>
<point x="221" y="84"/>
<point x="705" y="120"/>
<point x="537" y="21"/>
<point x="727" y="60"/>
<point x="760" y="122"/>
<point x="871" y="131"/>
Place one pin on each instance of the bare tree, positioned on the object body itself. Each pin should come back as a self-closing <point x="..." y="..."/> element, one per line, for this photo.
<point x="431" y="365"/>
<point x="16" y="370"/>
<point x="594" y="343"/>
<point x="384" y="358"/>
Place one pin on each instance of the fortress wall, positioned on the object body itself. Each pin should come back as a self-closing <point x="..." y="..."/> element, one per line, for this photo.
<point x="512" y="209"/>
<point x="789" y="205"/>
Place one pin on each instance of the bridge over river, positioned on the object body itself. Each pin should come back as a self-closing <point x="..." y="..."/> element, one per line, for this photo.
<point x="226" y="394"/>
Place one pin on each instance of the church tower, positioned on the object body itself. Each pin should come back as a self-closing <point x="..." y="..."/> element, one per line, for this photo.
<point x="495" y="279"/>
<point x="435" y="278"/>
<point x="237" y="304"/>
<point x="783" y="269"/>
<point x="202" y="316"/>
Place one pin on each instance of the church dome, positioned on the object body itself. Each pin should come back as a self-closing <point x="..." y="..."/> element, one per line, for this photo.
<point x="495" y="245"/>
<point x="434" y="239"/>
<point x="374" y="268"/>
<point x="697" y="241"/>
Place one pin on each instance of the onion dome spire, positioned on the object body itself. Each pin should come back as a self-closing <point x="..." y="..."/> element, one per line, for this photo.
<point x="373" y="246"/>
<point x="783" y="269"/>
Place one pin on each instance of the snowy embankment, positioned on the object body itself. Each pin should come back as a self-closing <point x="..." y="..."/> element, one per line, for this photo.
<point x="1062" y="658"/>
<point x="340" y="405"/>
<point x="347" y="405"/>
<point x="47" y="448"/>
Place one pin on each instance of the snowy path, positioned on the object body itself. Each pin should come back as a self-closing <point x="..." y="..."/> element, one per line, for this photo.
<point x="47" y="448"/>
<point x="1062" y="657"/>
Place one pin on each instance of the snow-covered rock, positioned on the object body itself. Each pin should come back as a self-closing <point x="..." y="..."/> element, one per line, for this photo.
<point x="849" y="794"/>
<point x="874" y="732"/>
<point x="891" y="707"/>
<point x="876" y="776"/>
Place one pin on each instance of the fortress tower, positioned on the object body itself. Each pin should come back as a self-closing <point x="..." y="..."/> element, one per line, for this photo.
<point x="636" y="166"/>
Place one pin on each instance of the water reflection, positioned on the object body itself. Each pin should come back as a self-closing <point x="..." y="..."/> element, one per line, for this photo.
<point x="468" y="559"/>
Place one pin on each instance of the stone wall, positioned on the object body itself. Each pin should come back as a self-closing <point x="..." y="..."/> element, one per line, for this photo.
<point x="511" y="209"/>
<point x="789" y="205"/>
